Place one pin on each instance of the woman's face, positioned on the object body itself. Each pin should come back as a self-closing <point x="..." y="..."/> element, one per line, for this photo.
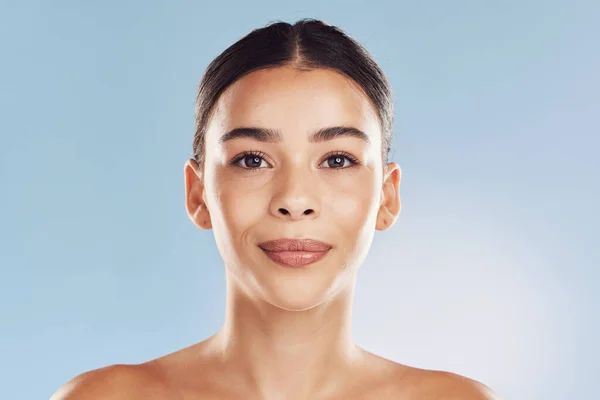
<point x="256" y="188"/>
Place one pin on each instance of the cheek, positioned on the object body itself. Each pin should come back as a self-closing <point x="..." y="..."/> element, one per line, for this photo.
<point x="241" y="201"/>
<point x="242" y="209"/>
<point x="352" y="202"/>
<point x="347" y="200"/>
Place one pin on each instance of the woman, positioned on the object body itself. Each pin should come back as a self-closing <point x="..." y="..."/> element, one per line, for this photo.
<point x="290" y="170"/>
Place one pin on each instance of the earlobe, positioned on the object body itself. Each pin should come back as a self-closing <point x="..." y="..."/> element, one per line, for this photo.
<point x="195" y="201"/>
<point x="390" y="204"/>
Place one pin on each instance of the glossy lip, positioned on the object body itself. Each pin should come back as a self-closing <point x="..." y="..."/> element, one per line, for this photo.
<point x="295" y="252"/>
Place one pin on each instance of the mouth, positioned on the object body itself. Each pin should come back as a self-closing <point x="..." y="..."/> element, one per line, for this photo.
<point x="295" y="253"/>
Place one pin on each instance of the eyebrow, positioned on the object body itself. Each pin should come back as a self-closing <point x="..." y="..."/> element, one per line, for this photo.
<point x="274" y="136"/>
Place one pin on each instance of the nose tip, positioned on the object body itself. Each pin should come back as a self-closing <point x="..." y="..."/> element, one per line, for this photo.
<point x="296" y="195"/>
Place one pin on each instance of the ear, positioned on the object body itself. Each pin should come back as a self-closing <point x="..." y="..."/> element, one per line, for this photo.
<point x="195" y="199"/>
<point x="390" y="205"/>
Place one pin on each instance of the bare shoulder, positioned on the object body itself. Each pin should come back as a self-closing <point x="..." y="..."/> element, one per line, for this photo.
<point x="115" y="382"/>
<point x="445" y="385"/>
<point x="401" y="381"/>
<point x="160" y="378"/>
<point x="454" y="386"/>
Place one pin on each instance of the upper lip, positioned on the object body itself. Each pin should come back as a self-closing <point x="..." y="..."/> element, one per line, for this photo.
<point x="294" y="245"/>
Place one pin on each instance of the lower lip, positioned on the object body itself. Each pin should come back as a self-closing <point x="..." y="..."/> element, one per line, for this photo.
<point x="295" y="259"/>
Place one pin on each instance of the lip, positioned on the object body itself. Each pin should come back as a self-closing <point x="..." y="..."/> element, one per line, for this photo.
<point x="295" y="252"/>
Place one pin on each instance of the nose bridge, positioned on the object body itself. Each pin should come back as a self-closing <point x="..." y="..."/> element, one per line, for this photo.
<point x="296" y="193"/>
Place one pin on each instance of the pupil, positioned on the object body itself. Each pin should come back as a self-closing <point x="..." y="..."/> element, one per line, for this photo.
<point x="337" y="160"/>
<point x="254" y="161"/>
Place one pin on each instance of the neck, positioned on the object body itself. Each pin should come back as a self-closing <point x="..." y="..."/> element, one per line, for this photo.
<point x="287" y="354"/>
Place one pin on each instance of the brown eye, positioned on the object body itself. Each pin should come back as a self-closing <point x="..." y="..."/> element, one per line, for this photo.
<point x="250" y="161"/>
<point x="336" y="162"/>
<point x="339" y="161"/>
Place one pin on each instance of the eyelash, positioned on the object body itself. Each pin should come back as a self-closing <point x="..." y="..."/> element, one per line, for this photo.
<point x="353" y="160"/>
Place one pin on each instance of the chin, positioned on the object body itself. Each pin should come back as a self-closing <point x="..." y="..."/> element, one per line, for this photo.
<point x="294" y="294"/>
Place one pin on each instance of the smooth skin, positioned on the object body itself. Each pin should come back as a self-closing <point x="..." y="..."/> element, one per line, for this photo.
<point x="287" y="330"/>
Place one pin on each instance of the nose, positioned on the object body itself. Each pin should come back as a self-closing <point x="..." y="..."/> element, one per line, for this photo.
<point x="295" y="198"/>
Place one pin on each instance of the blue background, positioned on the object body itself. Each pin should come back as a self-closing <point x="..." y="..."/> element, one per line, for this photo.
<point x="491" y="270"/>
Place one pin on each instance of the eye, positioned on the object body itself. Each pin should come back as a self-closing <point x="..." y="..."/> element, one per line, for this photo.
<point x="256" y="160"/>
<point x="339" y="160"/>
<point x="250" y="160"/>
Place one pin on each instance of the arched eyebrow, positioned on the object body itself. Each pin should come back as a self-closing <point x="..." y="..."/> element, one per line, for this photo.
<point x="274" y="136"/>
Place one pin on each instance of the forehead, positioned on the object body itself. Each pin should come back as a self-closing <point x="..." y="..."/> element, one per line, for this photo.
<point x="296" y="101"/>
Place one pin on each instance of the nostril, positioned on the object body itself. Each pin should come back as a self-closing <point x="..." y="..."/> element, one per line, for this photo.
<point x="286" y="212"/>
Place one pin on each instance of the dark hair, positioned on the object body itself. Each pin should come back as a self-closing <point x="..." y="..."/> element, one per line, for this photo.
<point x="308" y="44"/>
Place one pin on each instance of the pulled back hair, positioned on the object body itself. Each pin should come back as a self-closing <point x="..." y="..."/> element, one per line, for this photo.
<point x="306" y="45"/>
